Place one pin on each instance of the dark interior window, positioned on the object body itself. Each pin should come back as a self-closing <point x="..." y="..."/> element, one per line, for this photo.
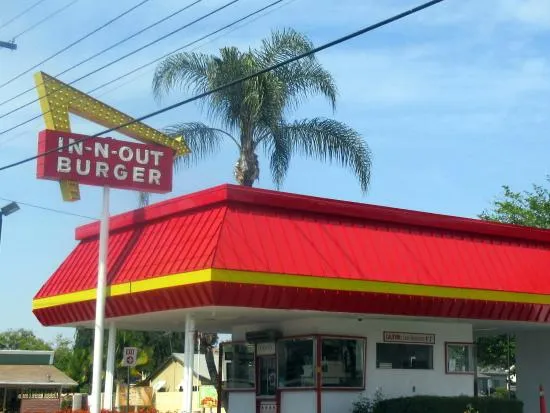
<point x="404" y="356"/>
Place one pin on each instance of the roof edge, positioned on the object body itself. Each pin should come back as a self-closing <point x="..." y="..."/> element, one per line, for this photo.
<point x="207" y="197"/>
<point x="29" y="352"/>
<point x="229" y="193"/>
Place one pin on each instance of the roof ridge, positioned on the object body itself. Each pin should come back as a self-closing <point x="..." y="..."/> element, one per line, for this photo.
<point x="275" y="200"/>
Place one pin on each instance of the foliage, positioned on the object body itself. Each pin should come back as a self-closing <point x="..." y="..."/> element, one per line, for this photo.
<point x="470" y="409"/>
<point x="155" y="348"/>
<point x="364" y="404"/>
<point x="503" y="393"/>
<point x="253" y="114"/>
<point x="22" y="339"/>
<point x="436" y="404"/>
<point x="63" y="352"/>
<point x="528" y="208"/>
<point x="494" y="351"/>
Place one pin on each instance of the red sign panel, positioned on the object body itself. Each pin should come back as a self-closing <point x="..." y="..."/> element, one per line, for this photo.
<point x="105" y="162"/>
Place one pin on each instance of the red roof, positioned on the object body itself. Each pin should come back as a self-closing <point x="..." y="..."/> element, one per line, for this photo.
<point x="244" y="229"/>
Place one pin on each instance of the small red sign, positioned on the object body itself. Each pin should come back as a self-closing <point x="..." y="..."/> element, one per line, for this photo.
<point x="105" y="162"/>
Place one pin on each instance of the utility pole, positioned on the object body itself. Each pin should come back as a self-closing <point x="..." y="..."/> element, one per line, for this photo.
<point x="8" y="45"/>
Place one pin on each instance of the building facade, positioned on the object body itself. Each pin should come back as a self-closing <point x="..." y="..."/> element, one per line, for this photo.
<point x="325" y="299"/>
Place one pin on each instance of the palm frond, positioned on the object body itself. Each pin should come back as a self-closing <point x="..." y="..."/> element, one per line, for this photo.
<point x="183" y="70"/>
<point x="282" y="45"/>
<point x="277" y="147"/>
<point x="202" y="140"/>
<point x="302" y="78"/>
<point x="330" y="141"/>
<point x="306" y="78"/>
<point x="231" y="105"/>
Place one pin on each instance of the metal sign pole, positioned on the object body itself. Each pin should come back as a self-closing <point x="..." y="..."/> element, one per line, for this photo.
<point x="128" y="393"/>
<point x="100" y="304"/>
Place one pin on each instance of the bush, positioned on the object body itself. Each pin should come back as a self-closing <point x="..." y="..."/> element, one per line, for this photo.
<point x="434" y="404"/>
<point x="364" y="404"/>
<point x="503" y="393"/>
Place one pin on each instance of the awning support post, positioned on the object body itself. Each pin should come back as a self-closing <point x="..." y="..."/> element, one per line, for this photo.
<point x="110" y="370"/>
<point x="187" y="406"/>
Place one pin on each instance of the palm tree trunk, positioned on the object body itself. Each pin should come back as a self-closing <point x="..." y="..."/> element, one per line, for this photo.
<point x="247" y="168"/>
<point x="211" y="365"/>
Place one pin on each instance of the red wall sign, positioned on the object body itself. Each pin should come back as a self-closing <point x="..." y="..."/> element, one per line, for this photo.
<point x="105" y="162"/>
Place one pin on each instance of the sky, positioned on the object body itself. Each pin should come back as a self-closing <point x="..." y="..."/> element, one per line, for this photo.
<point x="453" y="103"/>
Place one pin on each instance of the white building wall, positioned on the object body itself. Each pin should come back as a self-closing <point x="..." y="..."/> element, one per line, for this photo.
<point x="392" y="382"/>
<point x="338" y="401"/>
<point x="532" y="367"/>
<point x="299" y="401"/>
<point x="244" y="402"/>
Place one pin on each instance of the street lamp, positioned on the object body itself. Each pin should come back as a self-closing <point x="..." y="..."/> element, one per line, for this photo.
<point x="5" y="211"/>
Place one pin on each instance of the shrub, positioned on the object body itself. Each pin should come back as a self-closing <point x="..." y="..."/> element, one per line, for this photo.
<point x="364" y="404"/>
<point x="503" y="393"/>
<point x="435" y="404"/>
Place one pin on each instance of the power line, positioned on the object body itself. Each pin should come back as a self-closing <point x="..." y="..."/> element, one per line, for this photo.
<point x="45" y="19"/>
<point x="98" y="54"/>
<point x="8" y="45"/>
<point x="21" y="124"/>
<point x="237" y="81"/>
<point x="57" y="211"/>
<point x="139" y="49"/>
<point x="151" y="62"/>
<point x="22" y="13"/>
<point x="183" y="47"/>
<point x="74" y="43"/>
<point x="200" y="46"/>
<point x="14" y="137"/>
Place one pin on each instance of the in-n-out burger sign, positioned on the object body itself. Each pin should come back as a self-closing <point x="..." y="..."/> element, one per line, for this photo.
<point x="105" y="162"/>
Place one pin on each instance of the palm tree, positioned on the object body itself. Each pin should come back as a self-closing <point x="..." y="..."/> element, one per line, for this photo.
<point x="253" y="113"/>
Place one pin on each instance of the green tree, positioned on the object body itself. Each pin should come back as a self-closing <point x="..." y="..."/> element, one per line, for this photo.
<point x="496" y="351"/>
<point x="63" y="352"/>
<point x="528" y="208"/>
<point x="253" y="114"/>
<point x="22" y="339"/>
<point x="155" y="348"/>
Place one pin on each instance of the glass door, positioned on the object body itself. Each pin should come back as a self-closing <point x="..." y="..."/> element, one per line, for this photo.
<point x="267" y="377"/>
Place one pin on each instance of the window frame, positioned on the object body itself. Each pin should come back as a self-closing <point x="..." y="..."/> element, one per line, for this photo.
<point x="320" y="361"/>
<point x="315" y="342"/>
<point x="473" y="353"/>
<point x="237" y="389"/>
<point x="405" y="344"/>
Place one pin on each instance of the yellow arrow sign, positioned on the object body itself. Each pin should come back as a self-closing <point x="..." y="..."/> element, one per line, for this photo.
<point x="57" y="100"/>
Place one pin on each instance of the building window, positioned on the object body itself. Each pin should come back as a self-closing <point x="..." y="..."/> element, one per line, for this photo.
<point x="238" y="361"/>
<point x="404" y="356"/>
<point x="342" y="362"/>
<point x="460" y="358"/>
<point x="296" y="362"/>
